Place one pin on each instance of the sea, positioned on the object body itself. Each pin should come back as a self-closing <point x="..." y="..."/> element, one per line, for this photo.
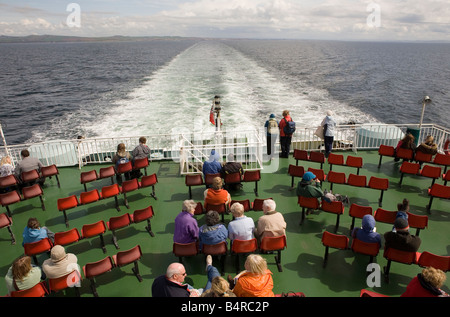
<point x="59" y="91"/>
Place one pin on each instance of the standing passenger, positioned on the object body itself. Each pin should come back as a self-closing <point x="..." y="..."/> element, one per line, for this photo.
<point x="329" y="125"/>
<point x="285" y="139"/>
<point x="272" y="132"/>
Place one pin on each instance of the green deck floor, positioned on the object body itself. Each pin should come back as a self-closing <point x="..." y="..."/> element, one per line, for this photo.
<point x="344" y="276"/>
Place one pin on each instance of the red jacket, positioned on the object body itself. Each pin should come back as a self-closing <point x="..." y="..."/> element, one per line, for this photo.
<point x="415" y="289"/>
<point x="283" y="123"/>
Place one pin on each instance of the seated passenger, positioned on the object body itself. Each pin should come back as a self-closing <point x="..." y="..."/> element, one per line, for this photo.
<point x="212" y="232"/>
<point x="256" y="280"/>
<point x="241" y="227"/>
<point x="27" y="164"/>
<point x="407" y="143"/>
<point x="23" y="275"/>
<point x="401" y="239"/>
<point x="186" y="227"/>
<point x="216" y="194"/>
<point x="427" y="284"/>
<point x="428" y="146"/>
<point x="231" y="167"/>
<point x="121" y="157"/>
<point x="212" y="165"/>
<point x="33" y="232"/>
<point x="60" y="263"/>
<point x="6" y="167"/>
<point x="367" y="231"/>
<point x="272" y="223"/>
<point x="140" y="151"/>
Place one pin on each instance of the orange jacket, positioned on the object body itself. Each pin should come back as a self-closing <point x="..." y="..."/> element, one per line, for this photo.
<point x="254" y="285"/>
<point x="215" y="197"/>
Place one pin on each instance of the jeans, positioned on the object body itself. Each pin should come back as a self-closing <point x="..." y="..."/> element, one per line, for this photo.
<point x="212" y="272"/>
<point x="285" y="142"/>
<point x="328" y="145"/>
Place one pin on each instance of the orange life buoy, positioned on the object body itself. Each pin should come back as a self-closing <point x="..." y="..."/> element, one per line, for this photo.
<point x="446" y="147"/>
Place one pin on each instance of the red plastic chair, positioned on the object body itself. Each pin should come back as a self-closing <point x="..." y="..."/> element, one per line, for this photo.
<point x="145" y="214"/>
<point x="182" y="250"/>
<point x="66" y="204"/>
<point x="438" y="191"/>
<point x="70" y="280"/>
<point x="442" y="159"/>
<point x="220" y="249"/>
<point x="336" y="178"/>
<point x="367" y="293"/>
<point x="385" y="216"/>
<point x="307" y="203"/>
<point x="9" y="198"/>
<point x="272" y="244"/>
<point x="320" y="174"/>
<point x="381" y="184"/>
<point x="429" y="171"/>
<point x="335" y="159"/>
<point x="295" y="171"/>
<point x="245" y="202"/>
<point x="422" y="157"/>
<point x="9" y="181"/>
<point x="437" y="261"/>
<point x="357" y="180"/>
<point x="50" y="171"/>
<point x="87" y="177"/>
<point x="132" y="255"/>
<point x="243" y="247"/>
<point x="252" y="176"/>
<point x="446" y="178"/>
<point x="107" y="172"/>
<point x="33" y="191"/>
<point x="385" y="150"/>
<point x="199" y="209"/>
<point x="6" y="221"/>
<point x="95" y="229"/>
<point x="220" y="208"/>
<point x="405" y="154"/>
<point x="89" y="197"/>
<point x="149" y="181"/>
<point x="366" y="248"/>
<point x="124" y="168"/>
<point x="317" y="157"/>
<point x="193" y="180"/>
<point x="405" y="257"/>
<point x="257" y="204"/>
<point x="354" y="161"/>
<point x="141" y="163"/>
<point x="233" y="178"/>
<point x="408" y="168"/>
<point x="33" y="249"/>
<point x="336" y="241"/>
<point x="116" y="223"/>
<point x="417" y="221"/>
<point x="334" y="207"/>
<point x="209" y="178"/>
<point x="94" y="269"/>
<point x="358" y="211"/>
<point x="300" y="155"/>
<point x="38" y="290"/>
<point x="127" y="187"/>
<point x="30" y="176"/>
<point x="111" y="191"/>
<point x="67" y="237"/>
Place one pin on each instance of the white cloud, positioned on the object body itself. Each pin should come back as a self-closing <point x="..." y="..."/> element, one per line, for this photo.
<point x="332" y="19"/>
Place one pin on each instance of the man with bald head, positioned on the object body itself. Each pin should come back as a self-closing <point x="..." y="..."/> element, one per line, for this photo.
<point x="172" y="283"/>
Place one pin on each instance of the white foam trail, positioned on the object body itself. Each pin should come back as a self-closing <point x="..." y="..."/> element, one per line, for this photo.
<point x="180" y="95"/>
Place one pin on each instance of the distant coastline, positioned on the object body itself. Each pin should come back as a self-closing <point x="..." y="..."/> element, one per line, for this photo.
<point x="76" y="39"/>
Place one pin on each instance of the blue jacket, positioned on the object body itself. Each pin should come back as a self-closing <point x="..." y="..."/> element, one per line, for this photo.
<point x="366" y="233"/>
<point x="212" y="234"/>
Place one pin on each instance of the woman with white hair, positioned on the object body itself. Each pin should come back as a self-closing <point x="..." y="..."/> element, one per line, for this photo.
<point x="328" y="125"/>
<point x="241" y="227"/>
<point x="272" y="223"/>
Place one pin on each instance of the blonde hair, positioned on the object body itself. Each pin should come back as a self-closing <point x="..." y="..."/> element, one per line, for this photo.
<point x="5" y="160"/>
<point x="216" y="183"/>
<point x="21" y="267"/>
<point x="237" y="209"/>
<point x="434" y="276"/>
<point x="220" y="287"/>
<point x="256" y="264"/>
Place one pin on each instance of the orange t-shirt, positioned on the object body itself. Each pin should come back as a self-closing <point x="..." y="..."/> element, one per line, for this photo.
<point x="215" y="197"/>
<point x="254" y="285"/>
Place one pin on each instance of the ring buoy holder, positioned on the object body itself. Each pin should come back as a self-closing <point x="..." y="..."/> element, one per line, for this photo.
<point x="446" y="145"/>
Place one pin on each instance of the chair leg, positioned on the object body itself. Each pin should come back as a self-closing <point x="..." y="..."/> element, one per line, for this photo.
<point x="93" y="288"/>
<point x="13" y="239"/>
<point x="135" y="270"/>
<point x="278" y="261"/>
<point x="57" y="180"/>
<point x="401" y="180"/>
<point x="337" y="224"/>
<point x="190" y="192"/>
<point x="66" y="220"/>
<point x="303" y="216"/>
<point x="42" y="203"/>
<point x="386" y="270"/>
<point x="114" y="239"/>
<point x="325" y="257"/>
<point x="125" y="201"/>
<point x="256" y="188"/>
<point x="9" y="211"/>
<point x="429" y="205"/>
<point x="149" y="228"/>
<point x="102" y="241"/>
<point x="352" y="225"/>
<point x="379" y="163"/>
<point x="117" y="203"/>
<point x="380" y="201"/>
<point x="153" y="194"/>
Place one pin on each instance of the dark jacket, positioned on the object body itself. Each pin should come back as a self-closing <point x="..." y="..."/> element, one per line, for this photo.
<point x="162" y="287"/>
<point x="402" y="240"/>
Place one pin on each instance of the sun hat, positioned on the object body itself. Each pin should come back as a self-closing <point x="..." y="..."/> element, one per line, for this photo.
<point x="58" y="253"/>
<point x="308" y="176"/>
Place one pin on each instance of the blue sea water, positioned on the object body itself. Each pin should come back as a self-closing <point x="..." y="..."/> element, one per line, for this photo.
<point x="55" y="91"/>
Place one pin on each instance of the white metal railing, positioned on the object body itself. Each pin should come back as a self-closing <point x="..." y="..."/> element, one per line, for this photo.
<point x="192" y="149"/>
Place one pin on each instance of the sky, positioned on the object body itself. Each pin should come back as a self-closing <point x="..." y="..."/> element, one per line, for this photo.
<point x="369" y="20"/>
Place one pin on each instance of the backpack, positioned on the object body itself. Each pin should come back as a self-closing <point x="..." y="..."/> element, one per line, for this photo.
<point x="273" y="127"/>
<point x="122" y="160"/>
<point x="289" y="128"/>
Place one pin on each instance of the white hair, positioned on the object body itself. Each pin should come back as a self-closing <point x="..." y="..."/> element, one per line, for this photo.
<point x="269" y="204"/>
